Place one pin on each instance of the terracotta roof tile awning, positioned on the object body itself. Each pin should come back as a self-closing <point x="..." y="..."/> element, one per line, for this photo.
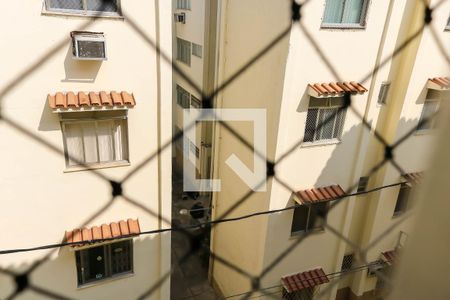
<point x="390" y="257"/>
<point x="300" y="281"/>
<point x="105" y="231"/>
<point x="439" y="83"/>
<point x="89" y="101"/>
<point x="335" y="89"/>
<point x="320" y="194"/>
<point x="413" y="178"/>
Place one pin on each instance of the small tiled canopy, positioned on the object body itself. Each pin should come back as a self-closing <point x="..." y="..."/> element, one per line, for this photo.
<point x="334" y="89"/>
<point x="71" y="101"/>
<point x="320" y="194"/>
<point x="439" y="83"/>
<point x="304" y="280"/>
<point x="413" y="178"/>
<point x="119" y="229"/>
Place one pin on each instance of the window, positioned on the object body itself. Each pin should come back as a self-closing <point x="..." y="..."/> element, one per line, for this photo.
<point x="92" y="138"/>
<point x="84" y="7"/>
<point x="97" y="263"/>
<point x="325" y="119"/>
<point x="402" y="199"/>
<point x="184" y="51"/>
<point x="362" y="184"/>
<point x="306" y="217"/>
<point x="448" y="24"/>
<point x="183" y="97"/>
<point x="197" y="50"/>
<point x="347" y="262"/>
<point x="195" y="102"/>
<point x="184" y="4"/>
<point x="304" y="294"/>
<point x="384" y="91"/>
<point x="345" y="13"/>
<point x="430" y="108"/>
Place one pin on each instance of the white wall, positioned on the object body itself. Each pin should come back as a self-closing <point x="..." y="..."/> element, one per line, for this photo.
<point x="42" y="201"/>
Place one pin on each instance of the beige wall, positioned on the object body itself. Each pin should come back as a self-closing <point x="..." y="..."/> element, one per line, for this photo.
<point x="42" y="201"/>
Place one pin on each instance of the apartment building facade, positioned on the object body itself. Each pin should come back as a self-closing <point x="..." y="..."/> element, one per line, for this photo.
<point x="82" y="109"/>
<point x="193" y="152"/>
<point x="334" y="50"/>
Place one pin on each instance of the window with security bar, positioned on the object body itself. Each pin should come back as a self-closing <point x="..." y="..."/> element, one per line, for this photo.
<point x="184" y="51"/>
<point x="347" y="263"/>
<point x="402" y="200"/>
<point x="184" y="4"/>
<point x="84" y="7"/>
<point x="305" y="294"/>
<point x="430" y="108"/>
<point x="325" y="119"/>
<point x="195" y="102"/>
<point x="196" y="50"/>
<point x="183" y="97"/>
<point x="307" y="217"/>
<point x="95" y="138"/>
<point x="345" y="13"/>
<point x="102" y="262"/>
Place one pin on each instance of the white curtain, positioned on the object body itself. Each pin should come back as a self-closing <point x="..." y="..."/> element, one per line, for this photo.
<point x="105" y="140"/>
<point x="333" y="11"/>
<point x="352" y="11"/>
<point x="74" y="143"/>
<point x="119" y="140"/>
<point x="90" y="142"/>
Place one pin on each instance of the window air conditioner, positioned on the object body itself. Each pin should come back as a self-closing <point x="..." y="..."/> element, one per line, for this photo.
<point x="180" y="18"/>
<point x="88" y="45"/>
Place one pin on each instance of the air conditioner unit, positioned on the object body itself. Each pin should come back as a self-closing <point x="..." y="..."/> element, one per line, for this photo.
<point x="180" y="18"/>
<point x="374" y="267"/>
<point x="88" y="45"/>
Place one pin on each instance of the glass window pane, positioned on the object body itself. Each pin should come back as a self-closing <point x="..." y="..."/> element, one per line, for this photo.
<point x="92" y="263"/>
<point x="333" y="11"/>
<point x="317" y="210"/>
<point x="64" y="4"/>
<point x="120" y="140"/>
<point x="121" y="257"/>
<point x="299" y="219"/>
<point x="352" y="11"/>
<point x="428" y="111"/>
<point x="102" y="5"/>
<point x="90" y="142"/>
<point x="327" y="118"/>
<point x="340" y="117"/>
<point x="105" y="140"/>
<point x="74" y="143"/>
<point x="402" y="199"/>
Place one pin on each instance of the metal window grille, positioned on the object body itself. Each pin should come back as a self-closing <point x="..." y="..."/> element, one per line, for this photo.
<point x="101" y="262"/>
<point x="85" y="7"/>
<point x="183" y="97"/>
<point x="184" y="51"/>
<point x="384" y="92"/>
<point x="194" y="150"/>
<point x="305" y="294"/>
<point x="324" y="120"/>
<point x="195" y="102"/>
<point x="347" y="262"/>
<point x="197" y="50"/>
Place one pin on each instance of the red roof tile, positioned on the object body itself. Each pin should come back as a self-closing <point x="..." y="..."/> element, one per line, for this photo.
<point x="337" y="88"/>
<point x="320" y="194"/>
<point x="105" y="231"/>
<point x="71" y="100"/>
<point x="414" y="178"/>
<point x="304" y="280"/>
<point x="390" y="257"/>
<point x="442" y="82"/>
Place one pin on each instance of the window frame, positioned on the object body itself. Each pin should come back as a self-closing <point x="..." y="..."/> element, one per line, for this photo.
<point x="320" y="108"/>
<point x="383" y="92"/>
<point x="180" y="7"/>
<point x="308" y="228"/>
<point x="360" y="25"/>
<point x="108" y="263"/>
<point x="180" y="51"/>
<point x="179" y="91"/>
<point x="98" y="164"/>
<point x="82" y="13"/>
<point x="198" y="52"/>
<point x="428" y="101"/>
<point x="403" y="207"/>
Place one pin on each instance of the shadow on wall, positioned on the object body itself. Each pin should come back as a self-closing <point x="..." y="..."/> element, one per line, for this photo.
<point x="59" y="275"/>
<point x="49" y="121"/>
<point x="80" y="70"/>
